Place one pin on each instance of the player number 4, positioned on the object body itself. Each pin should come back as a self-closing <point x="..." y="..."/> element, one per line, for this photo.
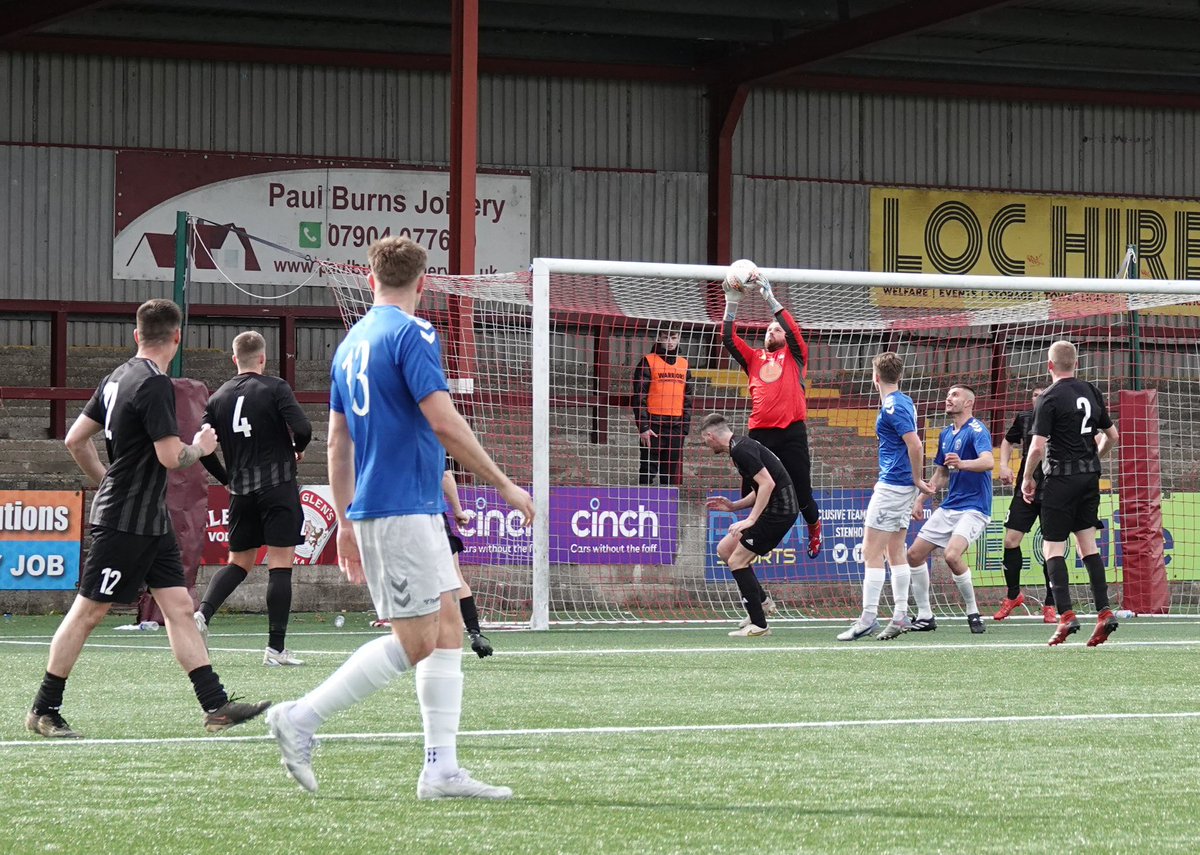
<point x="240" y="425"/>
<point x="1084" y="404"/>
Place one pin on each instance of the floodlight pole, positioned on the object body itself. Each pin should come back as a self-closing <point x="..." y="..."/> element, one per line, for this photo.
<point x="181" y="272"/>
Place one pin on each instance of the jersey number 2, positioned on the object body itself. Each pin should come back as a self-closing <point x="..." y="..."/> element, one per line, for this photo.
<point x="1084" y="404"/>
<point x="240" y="425"/>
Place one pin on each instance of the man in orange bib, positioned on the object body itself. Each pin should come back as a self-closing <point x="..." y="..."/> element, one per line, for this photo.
<point x="663" y="410"/>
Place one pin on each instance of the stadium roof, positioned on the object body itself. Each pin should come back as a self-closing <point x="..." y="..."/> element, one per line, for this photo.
<point x="1100" y="50"/>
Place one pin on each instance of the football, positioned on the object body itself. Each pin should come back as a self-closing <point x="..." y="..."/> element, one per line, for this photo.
<point x="739" y="277"/>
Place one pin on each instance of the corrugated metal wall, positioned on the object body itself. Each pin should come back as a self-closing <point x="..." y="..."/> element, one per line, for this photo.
<point x="617" y="167"/>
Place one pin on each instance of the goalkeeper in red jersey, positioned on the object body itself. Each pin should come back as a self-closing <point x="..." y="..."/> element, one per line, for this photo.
<point x="779" y="409"/>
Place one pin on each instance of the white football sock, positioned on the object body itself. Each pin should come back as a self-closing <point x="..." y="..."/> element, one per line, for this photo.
<point x="919" y="576"/>
<point x="872" y="588"/>
<point x="966" y="590"/>
<point x="901" y="577"/>
<point x="368" y="670"/>
<point x="440" y="694"/>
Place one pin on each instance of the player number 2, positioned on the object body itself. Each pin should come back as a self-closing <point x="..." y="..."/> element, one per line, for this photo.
<point x="110" y="398"/>
<point x="1085" y="405"/>
<point x="110" y="581"/>
<point x="356" y="381"/>
<point x="240" y="425"/>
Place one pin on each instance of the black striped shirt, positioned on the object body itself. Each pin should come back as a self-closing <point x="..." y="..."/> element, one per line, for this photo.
<point x="750" y="457"/>
<point x="136" y="406"/>
<point x="261" y="427"/>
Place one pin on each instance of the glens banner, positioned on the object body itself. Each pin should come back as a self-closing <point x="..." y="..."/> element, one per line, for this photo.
<point x="320" y="524"/>
<point x="40" y="539"/>
<point x="588" y="525"/>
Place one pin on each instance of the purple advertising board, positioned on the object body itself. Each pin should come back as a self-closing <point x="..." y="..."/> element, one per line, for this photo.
<point x="840" y="559"/>
<point x="588" y="525"/>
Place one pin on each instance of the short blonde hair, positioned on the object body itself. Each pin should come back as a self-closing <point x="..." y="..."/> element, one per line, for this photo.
<point x="1064" y="356"/>
<point x="397" y="262"/>
<point x="248" y="345"/>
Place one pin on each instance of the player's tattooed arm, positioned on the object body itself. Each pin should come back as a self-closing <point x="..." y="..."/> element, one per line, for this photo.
<point x="188" y="455"/>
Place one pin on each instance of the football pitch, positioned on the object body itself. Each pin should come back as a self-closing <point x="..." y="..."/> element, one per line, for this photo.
<point x="647" y="740"/>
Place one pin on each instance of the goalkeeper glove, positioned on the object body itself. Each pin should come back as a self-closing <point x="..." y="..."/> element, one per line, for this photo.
<point x="732" y="299"/>
<point x="764" y="285"/>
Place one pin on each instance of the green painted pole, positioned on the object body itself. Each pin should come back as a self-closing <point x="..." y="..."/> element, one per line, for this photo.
<point x="181" y="272"/>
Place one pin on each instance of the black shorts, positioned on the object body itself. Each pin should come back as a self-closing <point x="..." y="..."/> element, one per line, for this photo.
<point x="1069" y="503"/>
<point x="790" y="445"/>
<point x="120" y="563"/>
<point x="767" y="532"/>
<point x="1022" y="514"/>
<point x="271" y="516"/>
<point x="456" y="544"/>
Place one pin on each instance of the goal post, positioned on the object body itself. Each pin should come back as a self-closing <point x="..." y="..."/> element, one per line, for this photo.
<point x="555" y="359"/>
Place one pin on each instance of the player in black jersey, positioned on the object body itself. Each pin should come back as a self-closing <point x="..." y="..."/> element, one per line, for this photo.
<point x="1021" y="515"/>
<point x="133" y="543"/>
<point x="1071" y="432"/>
<point x="773" y="511"/>
<point x="263" y="434"/>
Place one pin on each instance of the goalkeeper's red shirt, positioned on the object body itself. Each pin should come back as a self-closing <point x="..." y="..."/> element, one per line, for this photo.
<point x="776" y="379"/>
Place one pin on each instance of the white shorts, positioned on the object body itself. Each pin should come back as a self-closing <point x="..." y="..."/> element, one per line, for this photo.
<point x="407" y="562"/>
<point x="890" y="508"/>
<point x="943" y="524"/>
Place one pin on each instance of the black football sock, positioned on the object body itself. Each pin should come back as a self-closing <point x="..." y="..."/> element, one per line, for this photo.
<point x="1013" y="559"/>
<point x="207" y="685"/>
<point x="223" y="583"/>
<point x="1095" y="568"/>
<point x="50" y="694"/>
<point x="811" y="513"/>
<point x="1060" y="582"/>
<point x="747" y="583"/>
<point x="470" y="614"/>
<point x="279" y="605"/>
<point x="1049" y="601"/>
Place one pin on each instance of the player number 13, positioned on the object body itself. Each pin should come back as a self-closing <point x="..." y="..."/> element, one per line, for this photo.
<point x="356" y="381"/>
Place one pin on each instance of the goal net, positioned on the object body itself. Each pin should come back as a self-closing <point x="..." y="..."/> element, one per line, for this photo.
<point x="546" y="365"/>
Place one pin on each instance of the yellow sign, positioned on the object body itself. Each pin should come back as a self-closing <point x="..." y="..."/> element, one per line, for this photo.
<point x="949" y="231"/>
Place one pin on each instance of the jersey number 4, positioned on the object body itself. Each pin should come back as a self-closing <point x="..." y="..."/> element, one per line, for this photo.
<point x="240" y="425"/>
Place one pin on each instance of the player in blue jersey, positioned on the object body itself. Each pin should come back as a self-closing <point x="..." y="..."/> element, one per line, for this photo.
<point x="901" y="464"/>
<point x="964" y="459"/>
<point x="391" y="423"/>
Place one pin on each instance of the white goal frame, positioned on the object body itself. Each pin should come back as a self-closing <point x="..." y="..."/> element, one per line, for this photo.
<point x="544" y="268"/>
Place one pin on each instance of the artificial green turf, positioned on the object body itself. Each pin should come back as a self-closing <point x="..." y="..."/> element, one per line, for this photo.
<point x="1038" y="782"/>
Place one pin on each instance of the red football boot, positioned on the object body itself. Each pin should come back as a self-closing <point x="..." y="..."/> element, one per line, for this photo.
<point x="1106" y="625"/>
<point x="1049" y="615"/>
<point x="1067" y="624"/>
<point x="814" y="539"/>
<point x="1007" y="606"/>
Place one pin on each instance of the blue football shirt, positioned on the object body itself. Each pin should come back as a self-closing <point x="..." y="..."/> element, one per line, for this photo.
<point x="897" y="416"/>
<point x="388" y="363"/>
<point x="969" y="491"/>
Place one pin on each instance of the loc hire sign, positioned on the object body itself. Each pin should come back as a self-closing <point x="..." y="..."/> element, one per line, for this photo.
<point x="1006" y="234"/>
<point x="40" y="537"/>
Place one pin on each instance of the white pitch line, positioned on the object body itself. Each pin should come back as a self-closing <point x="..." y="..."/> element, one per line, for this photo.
<point x="846" y="647"/>
<point x="1069" y="718"/>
